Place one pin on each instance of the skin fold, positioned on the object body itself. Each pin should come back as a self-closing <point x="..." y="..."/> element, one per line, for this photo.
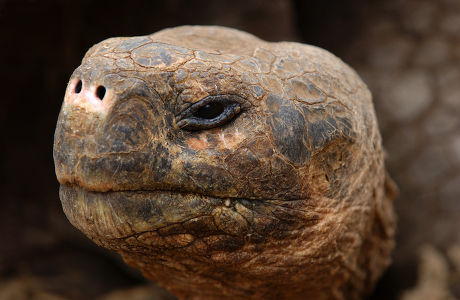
<point x="227" y="167"/>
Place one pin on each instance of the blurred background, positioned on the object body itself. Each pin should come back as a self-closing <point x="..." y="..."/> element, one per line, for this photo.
<point x="407" y="51"/>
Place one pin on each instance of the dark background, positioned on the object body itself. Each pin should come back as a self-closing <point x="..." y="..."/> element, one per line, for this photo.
<point x="41" y="42"/>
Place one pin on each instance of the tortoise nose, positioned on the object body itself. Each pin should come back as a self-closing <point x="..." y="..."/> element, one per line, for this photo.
<point x="90" y="96"/>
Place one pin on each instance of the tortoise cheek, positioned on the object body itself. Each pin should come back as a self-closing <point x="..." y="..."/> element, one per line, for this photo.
<point x="288" y="130"/>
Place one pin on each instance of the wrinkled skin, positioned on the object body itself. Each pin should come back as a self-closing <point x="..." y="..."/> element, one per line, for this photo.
<point x="284" y="195"/>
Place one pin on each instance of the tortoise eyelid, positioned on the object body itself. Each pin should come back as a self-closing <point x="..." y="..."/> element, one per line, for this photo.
<point x="190" y="118"/>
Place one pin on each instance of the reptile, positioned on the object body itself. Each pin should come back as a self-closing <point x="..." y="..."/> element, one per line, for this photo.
<point x="226" y="167"/>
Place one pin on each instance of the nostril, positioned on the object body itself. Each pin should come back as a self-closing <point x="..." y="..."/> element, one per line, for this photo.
<point x="78" y="87"/>
<point x="100" y="92"/>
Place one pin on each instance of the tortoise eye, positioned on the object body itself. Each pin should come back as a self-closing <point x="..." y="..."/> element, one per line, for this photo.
<point x="212" y="111"/>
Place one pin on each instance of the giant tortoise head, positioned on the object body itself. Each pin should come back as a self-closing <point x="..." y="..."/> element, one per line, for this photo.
<point x="224" y="166"/>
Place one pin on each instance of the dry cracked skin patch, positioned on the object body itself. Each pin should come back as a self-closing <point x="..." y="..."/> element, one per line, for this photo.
<point x="227" y="167"/>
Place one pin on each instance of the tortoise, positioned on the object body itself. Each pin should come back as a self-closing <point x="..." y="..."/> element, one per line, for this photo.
<point x="226" y="167"/>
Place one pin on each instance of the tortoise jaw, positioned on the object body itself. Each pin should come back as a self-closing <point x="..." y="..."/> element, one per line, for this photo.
<point x="108" y="217"/>
<point x="116" y="215"/>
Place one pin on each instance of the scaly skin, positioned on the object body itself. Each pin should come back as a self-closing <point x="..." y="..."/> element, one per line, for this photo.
<point x="286" y="198"/>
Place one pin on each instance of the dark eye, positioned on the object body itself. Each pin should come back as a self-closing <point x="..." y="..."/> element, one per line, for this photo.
<point x="212" y="111"/>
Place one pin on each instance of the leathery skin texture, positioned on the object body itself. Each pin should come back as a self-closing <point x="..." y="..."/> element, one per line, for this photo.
<point x="227" y="167"/>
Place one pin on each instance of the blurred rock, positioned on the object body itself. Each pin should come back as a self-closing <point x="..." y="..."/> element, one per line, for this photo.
<point x="144" y="292"/>
<point x="434" y="277"/>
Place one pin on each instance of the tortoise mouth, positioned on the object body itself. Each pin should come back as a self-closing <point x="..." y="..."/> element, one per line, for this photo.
<point x="119" y="214"/>
<point x="108" y="217"/>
